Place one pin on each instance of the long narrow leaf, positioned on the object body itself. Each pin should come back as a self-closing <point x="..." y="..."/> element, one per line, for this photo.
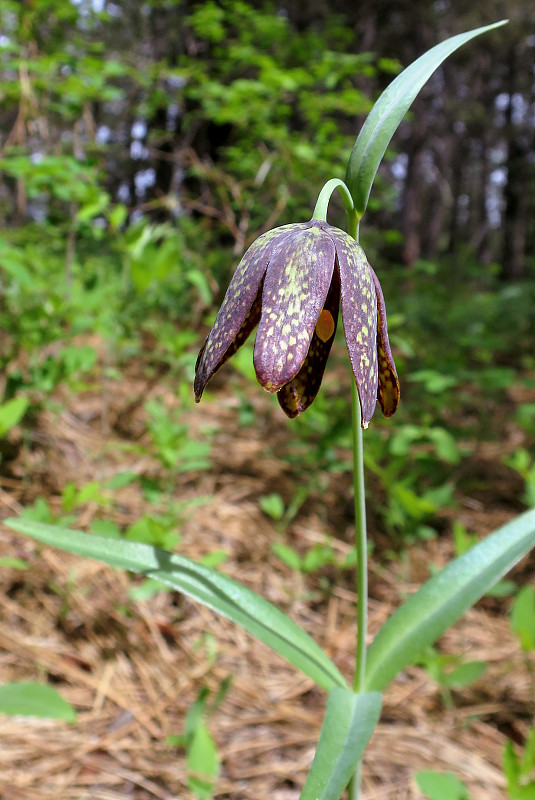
<point x="384" y="118"/>
<point x="349" y="722"/>
<point x="443" y="599"/>
<point x="209" y="587"/>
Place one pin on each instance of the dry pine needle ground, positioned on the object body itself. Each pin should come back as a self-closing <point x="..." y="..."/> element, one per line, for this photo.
<point x="132" y="668"/>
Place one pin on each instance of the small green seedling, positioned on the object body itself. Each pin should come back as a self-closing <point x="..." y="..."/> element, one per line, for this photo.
<point x="524" y="463"/>
<point x="202" y="758"/>
<point x="450" y="672"/>
<point x="273" y="505"/>
<point x="72" y="497"/>
<point x="173" y="446"/>
<point x="316" y="557"/>
<point x="519" y="770"/>
<point x="41" y="511"/>
<point x="463" y="540"/>
<point x="441" y="441"/>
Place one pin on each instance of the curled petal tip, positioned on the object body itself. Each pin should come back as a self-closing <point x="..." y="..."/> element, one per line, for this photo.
<point x="270" y="387"/>
<point x="388" y="390"/>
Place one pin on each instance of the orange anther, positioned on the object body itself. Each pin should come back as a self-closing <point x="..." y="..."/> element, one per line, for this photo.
<point x="325" y="326"/>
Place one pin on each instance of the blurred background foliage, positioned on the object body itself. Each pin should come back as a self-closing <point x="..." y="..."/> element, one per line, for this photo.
<point x="143" y="146"/>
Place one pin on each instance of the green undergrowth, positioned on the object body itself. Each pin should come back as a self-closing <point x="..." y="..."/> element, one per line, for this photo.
<point x="461" y="388"/>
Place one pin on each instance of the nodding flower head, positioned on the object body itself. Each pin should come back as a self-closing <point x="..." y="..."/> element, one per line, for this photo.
<point x="291" y="283"/>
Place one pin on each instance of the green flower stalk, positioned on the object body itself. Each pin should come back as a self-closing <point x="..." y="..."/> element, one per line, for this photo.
<point x="291" y="283"/>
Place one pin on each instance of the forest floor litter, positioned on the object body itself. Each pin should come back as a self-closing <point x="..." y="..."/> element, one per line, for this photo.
<point x="132" y="668"/>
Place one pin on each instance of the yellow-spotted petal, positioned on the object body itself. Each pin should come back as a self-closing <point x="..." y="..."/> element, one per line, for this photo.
<point x="239" y="313"/>
<point x="295" y="288"/>
<point x="298" y="394"/>
<point x="249" y="324"/>
<point x="388" y="387"/>
<point x="359" y="315"/>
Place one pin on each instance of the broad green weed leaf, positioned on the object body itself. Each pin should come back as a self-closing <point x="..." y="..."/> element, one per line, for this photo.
<point x="441" y="786"/>
<point x="519" y="787"/>
<point x="13" y="563"/>
<point x="11" y="413"/>
<point x="287" y="555"/>
<point x="272" y="505"/>
<point x="30" y="699"/>
<point x="465" y="674"/>
<point x="214" y="590"/>
<point x="195" y="714"/>
<point x="147" y="589"/>
<point x="214" y="559"/>
<point x="350" y="720"/>
<point x="511" y="767"/>
<point x="518" y="771"/>
<point x="384" y="118"/>
<point x="523" y="618"/>
<point x="424" y="617"/>
<point x="522" y="792"/>
<point x="528" y="758"/>
<point x="202" y="763"/>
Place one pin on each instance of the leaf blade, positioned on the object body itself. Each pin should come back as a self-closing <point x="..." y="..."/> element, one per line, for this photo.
<point x="384" y="118"/>
<point x="349" y="722"/>
<point x="202" y="763"/>
<point x="441" y="785"/>
<point x="11" y="413"/>
<point x="31" y="699"/>
<point x="222" y="594"/>
<point x="443" y="599"/>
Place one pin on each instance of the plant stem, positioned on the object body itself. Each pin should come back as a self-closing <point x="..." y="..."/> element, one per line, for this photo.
<point x="322" y="204"/>
<point x="360" y="541"/>
<point x="362" y="564"/>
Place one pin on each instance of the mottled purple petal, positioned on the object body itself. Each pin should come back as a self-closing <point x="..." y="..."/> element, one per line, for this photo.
<point x="295" y="288"/>
<point x="238" y="314"/>
<point x="249" y="324"/>
<point x="388" y="388"/>
<point x="298" y="394"/>
<point x="359" y="315"/>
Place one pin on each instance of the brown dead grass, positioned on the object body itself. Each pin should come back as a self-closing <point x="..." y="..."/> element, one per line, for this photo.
<point x="132" y="669"/>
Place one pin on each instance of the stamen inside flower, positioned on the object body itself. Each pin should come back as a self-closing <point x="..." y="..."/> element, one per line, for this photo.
<point x="325" y="326"/>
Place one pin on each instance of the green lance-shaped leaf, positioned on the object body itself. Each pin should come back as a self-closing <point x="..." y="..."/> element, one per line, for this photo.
<point x="202" y="763"/>
<point x="222" y="594"/>
<point x="443" y="599"/>
<point x="349" y="722"/>
<point x="384" y="118"/>
<point x="11" y="413"/>
<point x="31" y="699"/>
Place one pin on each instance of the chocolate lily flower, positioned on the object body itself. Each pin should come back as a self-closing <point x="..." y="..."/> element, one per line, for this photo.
<point x="290" y="283"/>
